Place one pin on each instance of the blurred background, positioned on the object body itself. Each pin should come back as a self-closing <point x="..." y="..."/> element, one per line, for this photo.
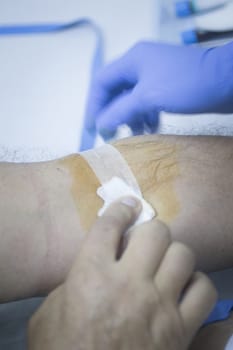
<point x="44" y="78"/>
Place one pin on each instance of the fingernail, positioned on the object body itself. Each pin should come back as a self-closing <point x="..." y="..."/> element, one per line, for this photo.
<point x="130" y="202"/>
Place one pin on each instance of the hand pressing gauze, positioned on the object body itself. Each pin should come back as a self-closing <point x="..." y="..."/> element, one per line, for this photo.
<point x="116" y="188"/>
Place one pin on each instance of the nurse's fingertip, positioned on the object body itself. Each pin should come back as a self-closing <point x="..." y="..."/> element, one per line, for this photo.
<point x="131" y="202"/>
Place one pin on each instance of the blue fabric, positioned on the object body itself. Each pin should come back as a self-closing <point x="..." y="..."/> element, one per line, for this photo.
<point x="221" y="311"/>
<point x="14" y="318"/>
<point x="153" y="77"/>
<point x="87" y="137"/>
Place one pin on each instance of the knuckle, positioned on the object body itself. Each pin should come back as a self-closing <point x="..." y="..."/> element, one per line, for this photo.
<point x="161" y="230"/>
<point x="120" y="213"/>
<point x="207" y="284"/>
<point x="113" y="222"/>
<point x="184" y="250"/>
<point x="107" y="223"/>
<point x="126" y="213"/>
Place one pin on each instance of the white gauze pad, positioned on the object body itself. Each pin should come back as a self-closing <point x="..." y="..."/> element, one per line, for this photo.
<point x="116" y="178"/>
<point x="116" y="188"/>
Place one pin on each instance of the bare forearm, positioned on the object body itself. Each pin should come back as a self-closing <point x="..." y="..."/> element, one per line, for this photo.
<point x="189" y="180"/>
<point x="47" y="207"/>
<point x="39" y="229"/>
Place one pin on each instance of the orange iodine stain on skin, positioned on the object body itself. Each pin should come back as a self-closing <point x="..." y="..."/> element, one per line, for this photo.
<point x="84" y="184"/>
<point x="165" y="197"/>
<point x="154" y="163"/>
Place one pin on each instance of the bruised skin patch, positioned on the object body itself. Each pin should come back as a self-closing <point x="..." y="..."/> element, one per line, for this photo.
<point x="156" y="168"/>
<point x="83" y="188"/>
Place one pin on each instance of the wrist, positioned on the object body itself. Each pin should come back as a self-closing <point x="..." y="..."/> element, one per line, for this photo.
<point x="62" y="226"/>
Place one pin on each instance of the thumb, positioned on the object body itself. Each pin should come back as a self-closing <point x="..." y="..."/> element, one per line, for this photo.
<point x="104" y="238"/>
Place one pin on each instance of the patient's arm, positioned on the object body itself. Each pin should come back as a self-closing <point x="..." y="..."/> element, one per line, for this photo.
<point x="46" y="207"/>
<point x="39" y="228"/>
<point x="189" y="180"/>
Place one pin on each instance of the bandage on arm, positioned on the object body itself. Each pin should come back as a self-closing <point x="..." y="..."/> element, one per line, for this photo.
<point x="46" y="208"/>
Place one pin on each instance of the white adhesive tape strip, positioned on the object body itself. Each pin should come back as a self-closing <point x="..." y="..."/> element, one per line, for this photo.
<point x="107" y="162"/>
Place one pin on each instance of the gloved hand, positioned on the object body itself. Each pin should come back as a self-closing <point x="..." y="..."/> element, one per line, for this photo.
<point x="153" y="77"/>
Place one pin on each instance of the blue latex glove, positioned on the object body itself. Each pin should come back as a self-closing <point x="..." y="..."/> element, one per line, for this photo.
<point x="153" y="77"/>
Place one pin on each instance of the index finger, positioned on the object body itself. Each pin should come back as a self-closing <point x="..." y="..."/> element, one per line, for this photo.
<point x="104" y="238"/>
<point x="108" y="83"/>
